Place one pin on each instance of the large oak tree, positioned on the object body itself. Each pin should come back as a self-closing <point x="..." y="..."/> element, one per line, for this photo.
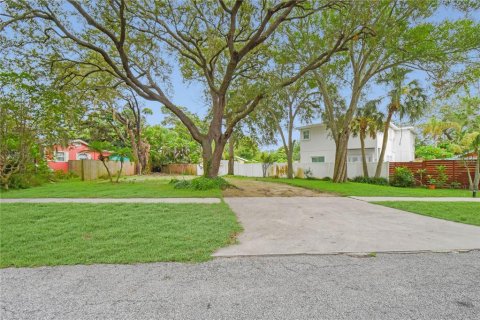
<point x="404" y="36"/>
<point x="219" y="44"/>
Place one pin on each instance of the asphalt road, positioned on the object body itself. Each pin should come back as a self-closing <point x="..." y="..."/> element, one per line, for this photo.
<point x="388" y="286"/>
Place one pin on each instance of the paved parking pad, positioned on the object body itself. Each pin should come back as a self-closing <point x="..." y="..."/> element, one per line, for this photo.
<point x="325" y="225"/>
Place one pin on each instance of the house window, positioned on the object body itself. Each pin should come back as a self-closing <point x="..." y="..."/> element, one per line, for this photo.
<point x="318" y="159"/>
<point x="306" y="135"/>
<point x="60" y="156"/>
<point x="353" y="159"/>
<point x="82" y="156"/>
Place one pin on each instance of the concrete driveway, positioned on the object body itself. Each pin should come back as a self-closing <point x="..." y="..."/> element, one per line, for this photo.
<point x="323" y="225"/>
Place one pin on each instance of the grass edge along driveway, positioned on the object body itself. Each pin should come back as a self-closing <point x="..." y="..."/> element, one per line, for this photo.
<point x="463" y="212"/>
<point x="67" y="234"/>
<point x="154" y="188"/>
<point x="366" y="190"/>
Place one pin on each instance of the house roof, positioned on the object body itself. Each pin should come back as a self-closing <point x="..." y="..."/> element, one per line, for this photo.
<point x="78" y="141"/>
<point x="393" y="126"/>
<point x="471" y="155"/>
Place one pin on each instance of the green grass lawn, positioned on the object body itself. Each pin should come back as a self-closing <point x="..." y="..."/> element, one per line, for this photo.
<point x="369" y="190"/>
<point x="131" y="188"/>
<point x="464" y="212"/>
<point x="65" y="234"/>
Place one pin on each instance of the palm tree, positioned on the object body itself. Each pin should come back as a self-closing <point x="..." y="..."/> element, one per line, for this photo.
<point x="408" y="101"/>
<point x="100" y="147"/>
<point x="121" y="154"/>
<point x="437" y="128"/>
<point x="367" y="122"/>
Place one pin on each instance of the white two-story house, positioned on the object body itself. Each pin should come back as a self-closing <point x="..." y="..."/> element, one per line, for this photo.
<point x="317" y="145"/>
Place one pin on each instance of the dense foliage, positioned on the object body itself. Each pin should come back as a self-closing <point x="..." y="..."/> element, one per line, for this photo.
<point x="429" y="152"/>
<point x="371" y="180"/>
<point x="171" y="145"/>
<point x="402" y="177"/>
<point x="33" y="115"/>
<point x="200" y="183"/>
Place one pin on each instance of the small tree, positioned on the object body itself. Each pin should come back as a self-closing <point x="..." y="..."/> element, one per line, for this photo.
<point x="121" y="154"/>
<point x="267" y="160"/>
<point x="471" y="141"/>
<point x="368" y="122"/>
<point x="132" y="117"/>
<point x="100" y="147"/>
<point x="279" y="114"/>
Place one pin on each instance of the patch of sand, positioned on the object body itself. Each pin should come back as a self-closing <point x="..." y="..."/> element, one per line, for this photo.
<point x="253" y="188"/>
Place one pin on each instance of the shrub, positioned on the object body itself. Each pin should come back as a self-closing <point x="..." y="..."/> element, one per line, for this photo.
<point x="308" y="173"/>
<point x="60" y="175"/>
<point x="360" y="179"/>
<point x="455" y="185"/>
<point x="173" y="181"/>
<point x="326" y="179"/>
<point x="421" y="173"/>
<point x="182" y="184"/>
<point x="26" y="180"/>
<point x="431" y="180"/>
<point x="201" y="183"/>
<point x="442" y="176"/>
<point x="402" y="177"/>
<point x="379" y="181"/>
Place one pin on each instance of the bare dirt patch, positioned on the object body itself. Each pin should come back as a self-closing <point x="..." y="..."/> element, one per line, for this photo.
<point x="253" y="188"/>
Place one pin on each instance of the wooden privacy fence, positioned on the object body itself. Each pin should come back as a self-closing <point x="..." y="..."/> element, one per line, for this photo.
<point x="94" y="169"/>
<point x="180" y="168"/>
<point x="456" y="170"/>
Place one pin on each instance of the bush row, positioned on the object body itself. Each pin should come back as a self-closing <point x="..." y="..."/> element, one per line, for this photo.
<point x="35" y="179"/>
<point x="380" y="181"/>
<point x="200" y="183"/>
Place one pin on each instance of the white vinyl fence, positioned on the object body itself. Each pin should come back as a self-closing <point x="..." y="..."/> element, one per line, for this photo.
<point x="318" y="170"/>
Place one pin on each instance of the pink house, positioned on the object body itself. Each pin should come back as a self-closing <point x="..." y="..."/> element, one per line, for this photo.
<point x="58" y="156"/>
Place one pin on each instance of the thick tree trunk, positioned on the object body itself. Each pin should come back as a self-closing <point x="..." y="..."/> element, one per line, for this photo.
<point x="364" y="156"/>
<point x="378" y="171"/>
<point x="341" y="147"/>
<point x="143" y="155"/>
<point x="212" y="158"/>
<point x="135" y="152"/>
<point x="231" y="156"/>
<point x="146" y="155"/>
<point x="290" y="174"/>
<point x="289" y="148"/>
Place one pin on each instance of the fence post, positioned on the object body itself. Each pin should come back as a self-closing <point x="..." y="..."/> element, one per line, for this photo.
<point x="453" y="169"/>
<point x="82" y="170"/>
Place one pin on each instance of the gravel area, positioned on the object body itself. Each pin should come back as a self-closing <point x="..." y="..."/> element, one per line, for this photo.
<point x="254" y="188"/>
<point x="388" y="286"/>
